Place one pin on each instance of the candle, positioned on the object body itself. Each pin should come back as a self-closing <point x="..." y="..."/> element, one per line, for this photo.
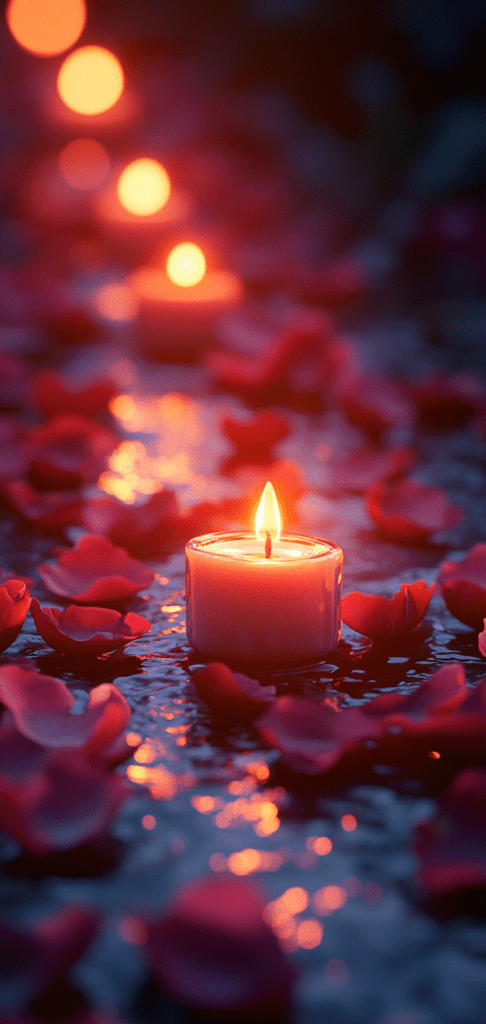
<point x="139" y="209"/>
<point x="266" y="599"/>
<point x="179" y="304"/>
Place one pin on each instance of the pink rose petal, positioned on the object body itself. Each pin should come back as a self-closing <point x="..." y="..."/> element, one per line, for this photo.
<point x="96" y="572"/>
<point x="311" y="737"/>
<point x="14" y="605"/>
<point x="451" y="847"/>
<point x="69" y="802"/>
<point x="376" y="403"/>
<point x="87" y="631"/>
<point x="463" y="587"/>
<point x="255" y="438"/>
<point x="230" y="693"/>
<point x="384" y="617"/>
<point x="41" y="708"/>
<point x="213" y="949"/>
<point x="409" y="511"/>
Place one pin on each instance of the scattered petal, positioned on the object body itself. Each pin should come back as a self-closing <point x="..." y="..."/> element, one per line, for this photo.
<point x="366" y="466"/>
<point x="409" y="511"/>
<point x="14" y="605"/>
<point x="384" y="617"/>
<point x="54" y="395"/>
<point x="463" y="587"/>
<point x="376" y="403"/>
<point x="255" y="438"/>
<point x="49" y="512"/>
<point x="96" y="572"/>
<point x="451" y="847"/>
<point x="442" y="692"/>
<point x="311" y="737"/>
<point x="213" y="950"/>
<point x="230" y="693"/>
<point x="69" y="450"/>
<point x="144" y="530"/>
<point x="87" y="631"/>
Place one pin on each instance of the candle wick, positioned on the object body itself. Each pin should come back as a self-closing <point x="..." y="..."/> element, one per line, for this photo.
<point x="268" y="545"/>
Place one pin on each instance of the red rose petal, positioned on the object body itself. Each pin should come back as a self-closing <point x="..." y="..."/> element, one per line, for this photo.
<point x="451" y="847"/>
<point x="311" y="737"/>
<point x="410" y="511"/>
<point x="54" y="395"/>
<point x="96" y="572"/>
<point x="71" y="801"/>
<point x="376" y="403"/>
<point x="87" y="631"/>
<point x="145" y="530"/>
<point x="14" y="456"/>
<point x="446" y="401"/>
<point x="442" y="692"/>
<point x="213" y="949"/>
<point x="49" y="512"/>
<point x="384" y="617"/>
<point x="463" y="587"/>
<point x="69" y="450"/>
<point x="255" y="438"/>
<point x="41" y="707"/>
<point x="230" y="693"/>
<point x="366" y="466"/>
<point x="32" y="959"/>
<point x="14" y="605"/>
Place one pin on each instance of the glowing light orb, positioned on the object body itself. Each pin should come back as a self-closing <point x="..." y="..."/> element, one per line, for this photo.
<point x="91" y="80"/>
<point x="116" y="302"/>
<point x="143" y="187"/>
<point x="186" y="265"/>
<point x="46" y="28"/>
<point x="84" y="164"/>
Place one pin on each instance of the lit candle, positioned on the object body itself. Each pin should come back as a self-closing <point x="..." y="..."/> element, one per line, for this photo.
<point x="263" y="598"/>
<point x="139" y="209"/>
<point x="180" y="303"/>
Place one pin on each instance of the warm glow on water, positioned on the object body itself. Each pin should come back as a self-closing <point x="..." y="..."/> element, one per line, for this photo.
<point x="309" y="934"/>
<point x="91" y="80"/>
<point x="257" y="809"/>
<point x="319" y="844"/>
<point x="349" y="822"/>
<point x="328" y="899"/>
<point x="161" y="784"/>
<point x="46" y="27"/>
<point x="186" y="265"/>
<point x="84" y="164"/>
<point x="143" y="187"/>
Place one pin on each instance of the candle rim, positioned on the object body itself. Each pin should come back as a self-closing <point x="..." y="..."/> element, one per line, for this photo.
<point x="201" y="544"/>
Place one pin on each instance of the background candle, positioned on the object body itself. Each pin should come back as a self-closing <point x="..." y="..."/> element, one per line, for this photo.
<point x="242" y="606"/>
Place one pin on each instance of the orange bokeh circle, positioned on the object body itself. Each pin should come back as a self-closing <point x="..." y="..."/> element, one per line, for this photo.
<point x="46" y="27"/>
<point x="91" y="80"/>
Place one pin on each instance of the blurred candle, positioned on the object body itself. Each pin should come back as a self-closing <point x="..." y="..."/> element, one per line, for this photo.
<point x="46" y="29"/>
<point x="139" y="210"/>
<point x="88" y="94"/>
<point x="180" y="303"/>
<point x="263" y="598"/>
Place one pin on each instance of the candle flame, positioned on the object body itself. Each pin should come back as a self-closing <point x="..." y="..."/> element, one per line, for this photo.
<point x="186" y="265"/>
<point x="267" y="519"/>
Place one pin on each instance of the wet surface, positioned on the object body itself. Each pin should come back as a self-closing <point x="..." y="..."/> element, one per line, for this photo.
<point x="335" y="863"/>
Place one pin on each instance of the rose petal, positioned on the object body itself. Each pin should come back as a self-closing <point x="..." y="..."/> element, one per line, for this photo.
<point x="70" y="801"/>
<point x="14" y="605"/>
<point x="451" y="847"/>
<point x="440" y="693"/>
<point x="213" y="949"/>
<point x="230" y="693"/>
<point x="384" y="617"/>
<point x="366" y="466"/>
<point x="87" y="631"/>
<point x="311" y="737"/>
<point x="144" y="530"/>
<point x="49" y="512"/>
<point x="54" y="395"/>
<point x="32" y="959"/>
<point x="254" y="439"/>
<point x="447" y="401"/>
<point x="96" y="572"/>
<point x="41" y="707"/>
<point x="410" y="511"/>
<point x="69" y="450"/>
<point x="463" y="587"/>
<point x="375" y="403"/>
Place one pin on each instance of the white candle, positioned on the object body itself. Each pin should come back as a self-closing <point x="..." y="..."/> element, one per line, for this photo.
<point x="264" y="598"/>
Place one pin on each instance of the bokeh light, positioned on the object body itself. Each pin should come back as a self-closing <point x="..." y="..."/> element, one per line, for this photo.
<point x="143" y="187"/>
<point x="46" y="28"/>
<point x="91" y="80"/>
<point x="186" y="265"/>
<point x="84" y="164"/>
<point x="116" y="302"/>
